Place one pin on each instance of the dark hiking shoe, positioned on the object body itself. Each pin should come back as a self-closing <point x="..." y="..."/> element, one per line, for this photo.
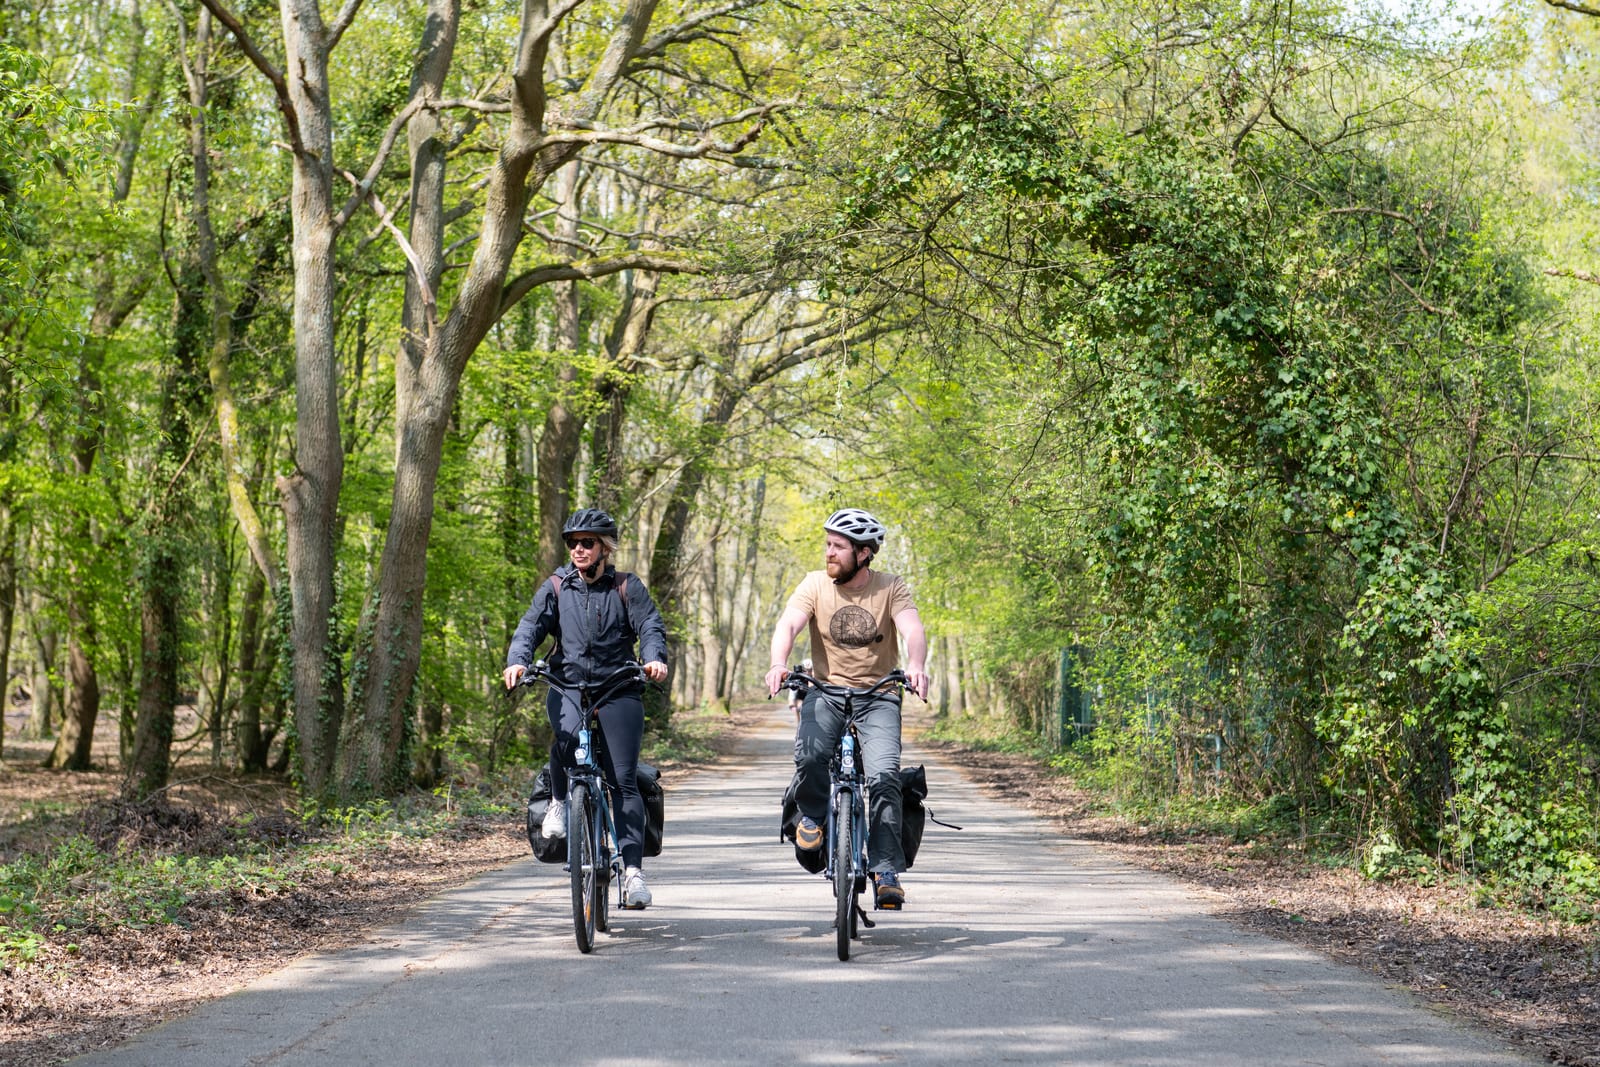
<point x="808" y="835"/>
<point x="891" y="897"/>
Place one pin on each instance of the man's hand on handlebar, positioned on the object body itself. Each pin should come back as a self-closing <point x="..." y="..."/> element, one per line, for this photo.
<point x="918" y="683"/>
<point x="775" y="676"/>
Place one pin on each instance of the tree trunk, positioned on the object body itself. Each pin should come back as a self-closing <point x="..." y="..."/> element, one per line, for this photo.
<point x="161" y="577"/>
<point x="629" y="331"/>
<point x="8" y="543"/>
<point x="563" y="428"/>
<point x="82" y="711"/>
<point x="8" y="607"/>
<point x="253" y="678"/>
<point x="158" y="677"/>
<point x="666" y="560"/>
<point x="427" y="769"/>
<point x="310" y="494"/>
<point x="73" y="745"/>
<point x="250" y="738"/>
<point x="45" y="682"/>
<point x="711" y="647"/>
<point x="217" y="675"/>
<point x="388" y="644"/>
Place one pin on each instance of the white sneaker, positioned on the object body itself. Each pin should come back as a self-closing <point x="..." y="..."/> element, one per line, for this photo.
<point x="635" y="894"/>
<point x="555" y="820"/>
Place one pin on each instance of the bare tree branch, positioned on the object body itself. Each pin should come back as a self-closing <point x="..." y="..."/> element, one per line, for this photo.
<point x="385" y="146"/>
<point x="699" y="149"/>
<point x="264" y="65"/>
<point x="341" y="22"/>
<point x="386" y="218"/>
<point x="589" y="270"/>
<point x="689" y="27"/>
<point x="1573" y="272"/>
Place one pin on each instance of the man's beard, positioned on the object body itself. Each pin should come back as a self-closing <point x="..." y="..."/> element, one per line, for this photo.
<point x="838" y="573"/>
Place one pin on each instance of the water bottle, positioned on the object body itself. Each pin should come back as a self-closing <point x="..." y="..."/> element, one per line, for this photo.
<point x="581" y="753"/>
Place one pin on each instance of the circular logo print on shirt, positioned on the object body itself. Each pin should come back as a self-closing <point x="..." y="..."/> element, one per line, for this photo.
<point x="853" y="627"/>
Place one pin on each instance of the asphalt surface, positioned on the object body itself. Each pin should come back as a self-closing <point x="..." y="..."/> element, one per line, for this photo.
<point x="1016" y="946"/>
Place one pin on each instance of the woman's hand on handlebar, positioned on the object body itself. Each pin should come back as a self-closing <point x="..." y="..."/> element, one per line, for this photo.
<point x="656" y="671"/>
<point x="513" y="675"/>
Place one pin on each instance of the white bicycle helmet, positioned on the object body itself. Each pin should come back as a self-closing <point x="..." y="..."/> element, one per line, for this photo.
<point x="857" y="525"/>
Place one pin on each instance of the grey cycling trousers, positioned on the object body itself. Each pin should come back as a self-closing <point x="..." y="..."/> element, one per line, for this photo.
<point x="821" y="721"/>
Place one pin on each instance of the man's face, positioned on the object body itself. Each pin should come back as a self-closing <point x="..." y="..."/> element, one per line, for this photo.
<point x="840" y="556"/>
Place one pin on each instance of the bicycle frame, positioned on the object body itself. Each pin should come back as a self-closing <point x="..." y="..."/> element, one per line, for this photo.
<point x="594" y="857"/>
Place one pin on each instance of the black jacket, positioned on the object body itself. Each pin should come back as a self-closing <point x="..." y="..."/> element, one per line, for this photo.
<point x="594" y="633"/>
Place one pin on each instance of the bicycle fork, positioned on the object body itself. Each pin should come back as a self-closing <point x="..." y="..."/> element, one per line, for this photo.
<point x="584" y="767"/>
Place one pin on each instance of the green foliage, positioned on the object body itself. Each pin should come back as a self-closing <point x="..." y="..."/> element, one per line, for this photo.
<point x="77" y="885"/>
<point x="43" y="139"/>
<point x="1384" y="859"/>
<point x="1211" y="384"/>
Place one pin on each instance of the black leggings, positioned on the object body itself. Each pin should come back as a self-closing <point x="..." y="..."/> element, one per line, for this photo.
<point x="622" y="724"/>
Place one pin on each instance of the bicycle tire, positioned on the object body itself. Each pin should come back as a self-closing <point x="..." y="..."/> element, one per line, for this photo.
<point x="844" y="876"/>
<point x="602" y="871"/>
<point x="581" y="859"/>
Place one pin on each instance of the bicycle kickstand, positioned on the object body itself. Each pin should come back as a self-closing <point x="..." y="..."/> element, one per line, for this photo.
<point x="862" y="916"/>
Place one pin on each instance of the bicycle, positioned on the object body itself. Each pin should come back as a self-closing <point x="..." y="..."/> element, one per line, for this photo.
<point x="845" y="846"/>
<point x="593" y="858"/>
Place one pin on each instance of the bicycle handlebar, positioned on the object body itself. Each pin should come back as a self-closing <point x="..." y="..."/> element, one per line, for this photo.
<point x="799" y="681"/>
<point x="631" y="671"/>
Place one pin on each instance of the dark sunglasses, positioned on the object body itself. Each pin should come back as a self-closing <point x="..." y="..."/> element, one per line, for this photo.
<point x="582" y="542"/>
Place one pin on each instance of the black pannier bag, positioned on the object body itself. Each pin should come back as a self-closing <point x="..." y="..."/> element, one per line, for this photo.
<point x="913" y="817"/>
<point x="545" y="849"/>
<point x="554" y="849"/>
<point x="655" y="807"/>
<point x="814" y="860"/>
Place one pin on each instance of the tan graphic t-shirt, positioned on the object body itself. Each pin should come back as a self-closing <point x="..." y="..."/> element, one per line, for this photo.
<point x="853" y="637"/>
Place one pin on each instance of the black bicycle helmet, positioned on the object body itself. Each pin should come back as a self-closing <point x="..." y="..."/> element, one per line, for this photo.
<point x="590" y="520"/>
<point x="857" y="525"/>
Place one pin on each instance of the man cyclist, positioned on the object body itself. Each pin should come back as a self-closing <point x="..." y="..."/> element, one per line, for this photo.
<point x="595" y="613"/>
<point x="855" y="615"/>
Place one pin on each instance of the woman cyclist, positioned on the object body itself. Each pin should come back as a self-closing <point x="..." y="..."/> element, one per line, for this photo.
<point x="595" y="613"/>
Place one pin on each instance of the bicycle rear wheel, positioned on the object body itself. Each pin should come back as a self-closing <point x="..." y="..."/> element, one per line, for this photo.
<point x="583" y="862"/>
<point x="844" y="875"/>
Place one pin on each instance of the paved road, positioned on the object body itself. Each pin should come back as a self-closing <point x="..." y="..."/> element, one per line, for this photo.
<point x="1016" y="947"/>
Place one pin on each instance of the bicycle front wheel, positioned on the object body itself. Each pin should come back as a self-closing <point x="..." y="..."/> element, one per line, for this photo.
<point x="844" y="875"/>
<point x="602" y="867"/>
<point x="582" y="859"/>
